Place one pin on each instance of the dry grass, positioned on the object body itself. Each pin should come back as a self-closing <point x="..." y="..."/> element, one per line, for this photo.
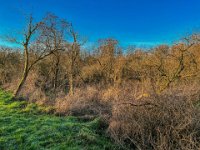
<point x="85" y="103"/>
<point x="30" y="91"/>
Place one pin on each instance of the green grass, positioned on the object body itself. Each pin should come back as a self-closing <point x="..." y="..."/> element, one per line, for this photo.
<point x="24" y="126"/>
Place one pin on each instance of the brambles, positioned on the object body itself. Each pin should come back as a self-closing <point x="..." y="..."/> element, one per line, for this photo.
<point x="168" y="121"/>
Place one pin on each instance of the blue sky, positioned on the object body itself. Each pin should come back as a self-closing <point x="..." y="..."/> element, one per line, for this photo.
<point x="132" y="22"/>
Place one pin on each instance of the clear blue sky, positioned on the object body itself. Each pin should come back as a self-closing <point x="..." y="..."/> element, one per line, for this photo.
<point x="140" y="22"/>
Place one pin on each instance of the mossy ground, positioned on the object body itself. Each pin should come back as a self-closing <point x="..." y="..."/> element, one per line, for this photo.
<point x="24" y="126"/>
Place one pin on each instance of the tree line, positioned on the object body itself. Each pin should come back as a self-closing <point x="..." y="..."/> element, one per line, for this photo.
<point x="53" y="51"/>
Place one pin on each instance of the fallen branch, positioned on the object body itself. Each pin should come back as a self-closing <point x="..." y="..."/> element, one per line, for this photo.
<point x="139" y="105"/>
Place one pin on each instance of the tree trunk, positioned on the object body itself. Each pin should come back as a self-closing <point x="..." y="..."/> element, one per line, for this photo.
<point x="55" y="84"/>
<point x="25" y="73"/>
<point x="71" y="78"/>
<point x="71" y="84"/>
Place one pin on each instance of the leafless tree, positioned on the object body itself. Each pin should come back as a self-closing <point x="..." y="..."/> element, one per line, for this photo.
<point x="43" y="39"/>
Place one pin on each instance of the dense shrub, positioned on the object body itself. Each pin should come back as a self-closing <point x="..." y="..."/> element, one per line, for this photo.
<point x="168" y="121"/>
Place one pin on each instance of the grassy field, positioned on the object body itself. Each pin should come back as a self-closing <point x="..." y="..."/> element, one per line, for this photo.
<point x="26" y="126"/>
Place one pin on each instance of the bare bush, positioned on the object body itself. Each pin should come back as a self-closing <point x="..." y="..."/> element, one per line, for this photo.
<point x="168" y="121"/>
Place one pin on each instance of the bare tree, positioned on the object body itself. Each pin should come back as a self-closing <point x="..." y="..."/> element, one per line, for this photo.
<point x="31" y="29"/>
<point x="41" y="38"/>
<point x="74" y="53"/>
<point x="169" y="64"/>
<point x="108" y="51"/>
